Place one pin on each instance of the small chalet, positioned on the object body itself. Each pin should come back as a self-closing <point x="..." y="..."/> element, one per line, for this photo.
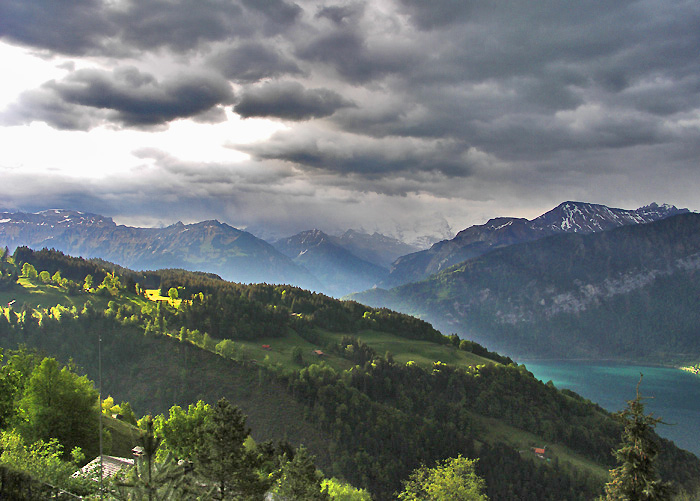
<point x="540" y="452"/>
<point x="318" y="353"/>
<point x="266" y="347"/>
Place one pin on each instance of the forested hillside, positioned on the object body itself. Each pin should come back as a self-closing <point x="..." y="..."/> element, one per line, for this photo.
<point x="628" y="293"/>
<point x="316" y="371"/>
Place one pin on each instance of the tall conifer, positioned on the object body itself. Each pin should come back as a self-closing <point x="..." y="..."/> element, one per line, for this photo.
<point x="635" y="478"/>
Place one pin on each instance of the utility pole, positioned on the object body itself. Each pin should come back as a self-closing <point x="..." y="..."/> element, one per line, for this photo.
<point x="99" y="370"/>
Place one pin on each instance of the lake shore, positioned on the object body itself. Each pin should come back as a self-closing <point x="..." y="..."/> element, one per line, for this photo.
<point x="612" y="383"/>
<point x="693" y="369"/>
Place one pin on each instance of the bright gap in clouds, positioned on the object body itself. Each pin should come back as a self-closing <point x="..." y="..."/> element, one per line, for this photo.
<point x="27" y="72"/>
<point x="103" y="151"/>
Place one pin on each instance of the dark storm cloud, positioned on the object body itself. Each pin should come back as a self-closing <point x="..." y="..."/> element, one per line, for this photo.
<point x="340" y="14"/>
<point x="289" y="101"/>
<point x="179" y="25"/>
<point x="350" y="154"/>
<point x="126" y="96"/>
<point x="501" y="78"/>
<point x="69" y="27"/>
<point x="79" y="27"/>
<point x="43" y="105"/>
<point x="438" y="13"/>
<point x="252" y="62"/>
<point x="183" y="25"/>
<point x="276" y="11"/>
<point x="355" y="61"/>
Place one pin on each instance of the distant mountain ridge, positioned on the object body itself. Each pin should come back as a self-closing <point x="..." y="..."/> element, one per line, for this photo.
<point x="376" y="248"/>
<point x="338" y="269"/>
<point x="335" y="265"/>
<point x="208" y="246"/>
<point x="632" y="292"/>
<point x="568" y="217"/>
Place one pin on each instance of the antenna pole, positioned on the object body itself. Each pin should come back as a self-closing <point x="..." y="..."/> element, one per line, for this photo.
<point x="99" y="369"/>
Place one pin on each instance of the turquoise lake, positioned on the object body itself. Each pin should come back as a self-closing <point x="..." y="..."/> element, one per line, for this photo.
<point x="676" y="394"/>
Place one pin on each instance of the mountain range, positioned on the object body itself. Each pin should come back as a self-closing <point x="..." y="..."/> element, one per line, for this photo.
<point x="312" y="260"/>
<point x="568" y="217"/>
<point x="334" y="265"/>
<point x="209" y="246"/>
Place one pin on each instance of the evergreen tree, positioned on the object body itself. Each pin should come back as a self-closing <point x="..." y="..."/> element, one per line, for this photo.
<point x="223" y="458"/>
<point x="152" y="480"/>
<point x="149" y="444"/>
<point x="300" y="480"/>
<point x="635" y="479"/>
<point x="163" y="481"/>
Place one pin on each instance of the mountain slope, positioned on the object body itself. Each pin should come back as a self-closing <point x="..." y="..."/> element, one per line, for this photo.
<point x="339" y="270"/>
<point x="568" y="217"/>
<point x="208" y="246"/>
<point x="628" y="293"/>
<point x="368" y="418"/>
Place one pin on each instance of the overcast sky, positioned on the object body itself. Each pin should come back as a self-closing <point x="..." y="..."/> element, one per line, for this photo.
<point x="402" y="116"/>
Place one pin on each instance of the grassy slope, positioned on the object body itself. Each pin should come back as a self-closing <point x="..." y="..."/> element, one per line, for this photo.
<point x="36" y="294"/>
<point x="422" y="352"/>
<point x="492" y="431"/>
<point x="124" y="437"/>
<point x="171" y="373"/>
<point x="272" y="412"/>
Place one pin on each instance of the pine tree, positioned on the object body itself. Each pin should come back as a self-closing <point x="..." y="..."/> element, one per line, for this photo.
<point x="300" y="480"/>
<point x="152" y="480"/>
<point x="635" y="478"/>
<point x="223" y="458"/>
